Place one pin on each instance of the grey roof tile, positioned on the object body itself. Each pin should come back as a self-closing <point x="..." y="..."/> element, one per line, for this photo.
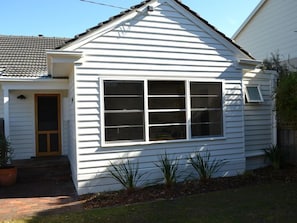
<point x="25" y="56"/>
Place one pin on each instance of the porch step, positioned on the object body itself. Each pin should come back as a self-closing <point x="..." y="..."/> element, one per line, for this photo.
<point x="43" y="169"/>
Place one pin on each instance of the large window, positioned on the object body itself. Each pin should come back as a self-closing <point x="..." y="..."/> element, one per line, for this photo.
<point x="161" y="110"/>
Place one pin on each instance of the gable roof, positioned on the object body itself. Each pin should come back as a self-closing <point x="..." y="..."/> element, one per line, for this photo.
<point x="25" y="56"/>
<point x="142" y="4"/>
<point x="249" y="18"/>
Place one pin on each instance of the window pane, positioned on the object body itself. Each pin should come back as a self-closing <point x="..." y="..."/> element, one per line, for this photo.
<point x="123" y="88"/>
<point x="167" y="117"/>
<point x="167" y="132"/>
<point x="129" y="133"/>
<point x="125" y="118"/>
<point x="47" y="113"/>
<point x="54" y="142"/>
<point x="124" y="115"/>
<point x="206" y="129"/>
<point x="202" y="88"/>
<point x="123" y="103"/>
<point x="166" y="87"/>
<point x="206" y="102"/>
<point x="166" y="103"/>
<point x="206" y="116"/>
<point x="254" y="94"/>
<point x="207" y="99"/>
<point x="42" y="143"/>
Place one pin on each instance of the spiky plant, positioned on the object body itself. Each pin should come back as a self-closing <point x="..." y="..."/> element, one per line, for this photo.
<point x="126" y="173"/>
<point x="169" y="169"/>
<point x="274" y="154"/>
<point x="205" y="166"/>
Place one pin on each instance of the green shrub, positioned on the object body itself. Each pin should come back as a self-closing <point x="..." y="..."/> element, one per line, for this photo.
<point x="205" y="166"/>
<point x="126" y="173"/>
<point x="274" y="155"/>
<point x="6" y="151"/>
<point x="286" y="99"/>
<point x="169" y="169"/>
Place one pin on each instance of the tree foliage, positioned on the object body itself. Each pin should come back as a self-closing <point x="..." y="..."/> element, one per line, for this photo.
<point x="286" y="99"/>
<point x="274" y="63"/>
<point x="286" y="90"/>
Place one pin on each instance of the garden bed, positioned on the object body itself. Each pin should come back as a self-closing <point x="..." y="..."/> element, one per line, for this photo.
<point x="157" y="192"/>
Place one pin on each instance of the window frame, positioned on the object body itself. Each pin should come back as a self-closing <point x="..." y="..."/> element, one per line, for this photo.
<point x="188" y="137"/>
<point x="247" y="94"/>
<point x="164" y="110"/>
<point x="123" y="112"/>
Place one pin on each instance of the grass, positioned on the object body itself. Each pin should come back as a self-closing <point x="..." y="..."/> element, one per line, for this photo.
<point x="275" y="202"/>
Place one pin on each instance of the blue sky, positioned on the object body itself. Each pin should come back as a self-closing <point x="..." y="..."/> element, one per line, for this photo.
<point x="66" y="18"/>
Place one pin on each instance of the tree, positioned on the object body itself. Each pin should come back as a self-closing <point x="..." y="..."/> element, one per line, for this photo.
<point x="286" y="91"/>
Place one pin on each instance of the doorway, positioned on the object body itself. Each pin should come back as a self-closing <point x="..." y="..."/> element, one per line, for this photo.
<point x="47" y="125"/>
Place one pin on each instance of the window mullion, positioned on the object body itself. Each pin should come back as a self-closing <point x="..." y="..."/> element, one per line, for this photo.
<point x="146" y="111"/>
<point x="188" y="109"/>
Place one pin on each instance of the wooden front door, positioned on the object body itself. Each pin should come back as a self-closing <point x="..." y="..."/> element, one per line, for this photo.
<point x="47" y="125"/>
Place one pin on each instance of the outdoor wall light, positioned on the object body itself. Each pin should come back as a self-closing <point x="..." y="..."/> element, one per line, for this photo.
<point x="21" y="97"/>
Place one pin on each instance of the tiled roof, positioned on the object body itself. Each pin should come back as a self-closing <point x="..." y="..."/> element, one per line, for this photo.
<point x="24" y="56"/>
<point x="139" y="6"/>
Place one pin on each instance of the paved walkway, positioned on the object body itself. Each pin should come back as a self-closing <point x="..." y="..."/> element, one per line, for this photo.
<point x="37" y="198"/>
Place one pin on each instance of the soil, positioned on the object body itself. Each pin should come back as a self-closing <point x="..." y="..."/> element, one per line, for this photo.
<point x="157" y="192"/>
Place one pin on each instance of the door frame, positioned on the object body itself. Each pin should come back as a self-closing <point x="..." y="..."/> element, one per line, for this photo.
<point x="48" y="153"/>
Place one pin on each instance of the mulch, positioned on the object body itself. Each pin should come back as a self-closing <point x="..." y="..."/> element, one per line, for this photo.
<point x="157" y="192"/>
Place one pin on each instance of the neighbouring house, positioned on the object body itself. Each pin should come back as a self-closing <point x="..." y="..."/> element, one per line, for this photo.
<point x="155" y="78"/>
<point x="270" y="28"/>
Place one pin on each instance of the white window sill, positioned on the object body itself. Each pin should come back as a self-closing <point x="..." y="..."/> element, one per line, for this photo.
<point x="138" y="143"/>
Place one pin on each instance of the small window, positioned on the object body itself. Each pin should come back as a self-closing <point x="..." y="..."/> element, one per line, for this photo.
<point x="253" y="93"/>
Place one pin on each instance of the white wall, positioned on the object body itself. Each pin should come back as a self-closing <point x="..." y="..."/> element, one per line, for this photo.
<point x="72" y="138"/>
<point x="259" y="118"/>
<point x="273" y="28"/>
<point x="22" y="122"/>
<point x="164" y="44"/>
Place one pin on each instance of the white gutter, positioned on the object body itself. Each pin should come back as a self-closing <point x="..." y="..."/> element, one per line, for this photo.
<point x="249" y="64"/>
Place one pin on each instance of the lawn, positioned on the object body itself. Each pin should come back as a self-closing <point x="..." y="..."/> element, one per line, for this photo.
<point x="274" y="202"/>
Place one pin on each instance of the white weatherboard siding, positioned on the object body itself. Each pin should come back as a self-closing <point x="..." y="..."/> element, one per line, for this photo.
<point x="72" y="153"/>
<point x="1" y="104"/>
<point x="272" y="29"/>
<point x="22" y="124"/>
<point x="259" y="118"/>
<point x="165" y="45"/>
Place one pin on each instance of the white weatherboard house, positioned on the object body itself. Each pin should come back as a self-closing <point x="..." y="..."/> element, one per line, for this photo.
<point x="155" y="78"/>
<point x="270" y="28"/>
